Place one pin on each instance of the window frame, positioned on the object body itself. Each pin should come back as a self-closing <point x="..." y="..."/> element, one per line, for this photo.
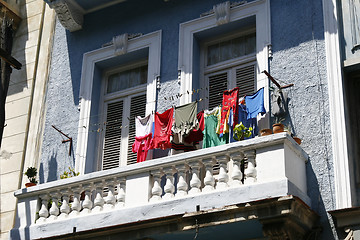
<point x="150" y="41"/>
<point x="261" y="10"/>
<point x="125" y="95"/>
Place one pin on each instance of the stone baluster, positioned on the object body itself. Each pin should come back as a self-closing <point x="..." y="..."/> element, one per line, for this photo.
<point x="120" y="198"/>
<point x="65" y="208"/>
<point x="54" y="209"/>
<point x="223" y="177"/>
<point x="195" y="182"/>
<point x="75" y="205"/>
<point x="236" y="174"/>
<point x="43" y="212"/>
<point x="209" y="180"/>
<point x="250" y="171"/>
<point x="182" y="186"/>
<point x="156" y="190"/>
<point x="87" y="203"/>
<point x="110" y="199"/>
<point x="169" y="187"/>
<point x="99" y="200"/>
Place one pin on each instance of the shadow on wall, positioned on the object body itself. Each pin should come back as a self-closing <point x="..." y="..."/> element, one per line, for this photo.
<point x="52" y="169"/>
<point x="325" y="225"/>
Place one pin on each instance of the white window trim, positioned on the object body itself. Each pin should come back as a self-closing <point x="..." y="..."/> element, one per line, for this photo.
<point x="151" y="41"/>
<point x="261" y="9"/>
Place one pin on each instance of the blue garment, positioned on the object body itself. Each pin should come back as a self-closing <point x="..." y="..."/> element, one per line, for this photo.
<point x="246" y="122"/>
<point x="255" y="104"/>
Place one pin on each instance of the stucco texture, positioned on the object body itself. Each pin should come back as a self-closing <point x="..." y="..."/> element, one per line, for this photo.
<point x="297" y="36"/>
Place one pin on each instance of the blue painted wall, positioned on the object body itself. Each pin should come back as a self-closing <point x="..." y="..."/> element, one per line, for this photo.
<point x="298" y="57"/>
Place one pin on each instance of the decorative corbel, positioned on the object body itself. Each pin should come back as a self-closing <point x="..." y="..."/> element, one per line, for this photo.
<point x="222" y="13"/>
<point x="70" y="15"/>
<point x="120" y="44"/>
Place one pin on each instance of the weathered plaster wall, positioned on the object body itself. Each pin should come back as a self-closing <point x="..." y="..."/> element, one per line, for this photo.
<point x="298" y="57"/>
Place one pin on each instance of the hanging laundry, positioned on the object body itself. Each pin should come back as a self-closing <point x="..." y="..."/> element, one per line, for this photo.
<point x="141" y="146"/>
<point x="162" y="131"/>
<point x="185" y="119"/>
<point x="143" y="126"/>
<point x="246" y="122"/>
<point x="255" y="104"/>
<point x="197" y="135"/>
<point x="230" y="101"/>
<point x="217" y="113"/>
<point x="211" y="138"/>
<point x="177" y="145"/>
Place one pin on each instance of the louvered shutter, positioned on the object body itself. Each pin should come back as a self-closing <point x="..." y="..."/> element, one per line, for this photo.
<point x="137" y="108"/>
<point x="217" y="85"/>
<point x="245" y="80"/>
<point x="112" y="141"/>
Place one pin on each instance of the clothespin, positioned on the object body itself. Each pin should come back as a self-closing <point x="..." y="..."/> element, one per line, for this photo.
<point x="187" y="91"/>
<point x="165" y="98"/>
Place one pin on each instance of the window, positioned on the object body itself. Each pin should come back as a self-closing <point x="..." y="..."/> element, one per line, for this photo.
<point x="227" y="63"/>
<point x="124" y="99"/>
<point x="215" y="55"/>
<point x="115" y="87"/>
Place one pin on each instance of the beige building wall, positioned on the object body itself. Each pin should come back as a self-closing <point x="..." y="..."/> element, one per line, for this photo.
<point x="25" y="103"/>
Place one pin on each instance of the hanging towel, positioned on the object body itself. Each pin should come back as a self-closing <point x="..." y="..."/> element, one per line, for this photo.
<point x="197" y="135"/>
<point x="211" y="138"/>
<point x="255" y="104"/>
<point x="141" y="146"/>
<point x="162" y="132"/>
<point x="143" y="126"/>
<point x="185" y="118"/>
<point x="230" y="101"/>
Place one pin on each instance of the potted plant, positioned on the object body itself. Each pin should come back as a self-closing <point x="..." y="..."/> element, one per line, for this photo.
<point x="69" y="174"/>
<point x="241" y="132"/>
<point x="297" y="140"/>
<point x="31" y="174"/>
<point x="278" y="127"/>
<point x="265" y="131"/>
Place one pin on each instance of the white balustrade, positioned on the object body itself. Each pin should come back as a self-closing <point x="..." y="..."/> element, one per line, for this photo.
<point x="182" y="186"/>
<point x="99" y="200"/>
<point x="250" y="171"/>
<point x="169" y="187"/>
<point x="54" y="209"/>
<point x="110" y="199"/>
<point x="195" y="182"/>
<point x="81" y="196"/>
<point x="236" y="174"/>
<point x="120" y="198"/>
<point x="87" y="203"/>
<point x="223" y="175"/>
<point x="65" y="208"/>
<point x="209" y="180"/>
<point x="43" y="212"/>
<point x="156" y="190"/>
<point x="75" y="205"/>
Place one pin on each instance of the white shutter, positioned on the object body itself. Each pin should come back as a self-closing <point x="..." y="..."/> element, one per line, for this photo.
<point x="112" y="141"/>
<point x="137" y="108"/>
<point x="245" y="80"/>
<point x="217" y="85"/>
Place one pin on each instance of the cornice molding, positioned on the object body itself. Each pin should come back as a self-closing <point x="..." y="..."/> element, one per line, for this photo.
<point x="70" y="15"/>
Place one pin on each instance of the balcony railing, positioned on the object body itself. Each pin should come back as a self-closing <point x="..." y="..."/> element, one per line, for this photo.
<point x="250" y="170"/>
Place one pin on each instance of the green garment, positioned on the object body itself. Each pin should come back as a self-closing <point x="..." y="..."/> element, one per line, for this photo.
<point x="211" y="138"/>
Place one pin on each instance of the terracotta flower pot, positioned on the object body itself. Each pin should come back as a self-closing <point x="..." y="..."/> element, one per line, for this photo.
<point x="298" y="140"/>
<point x="30" y="184"/>
<point x="278" y="127"/>
<point x="265" y="131"/>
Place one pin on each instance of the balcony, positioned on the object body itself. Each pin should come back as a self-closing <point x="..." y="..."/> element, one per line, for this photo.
<point x="259" y="183"/>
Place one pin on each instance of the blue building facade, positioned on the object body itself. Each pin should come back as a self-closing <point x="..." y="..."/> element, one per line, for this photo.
<point x="185" y="47"/>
